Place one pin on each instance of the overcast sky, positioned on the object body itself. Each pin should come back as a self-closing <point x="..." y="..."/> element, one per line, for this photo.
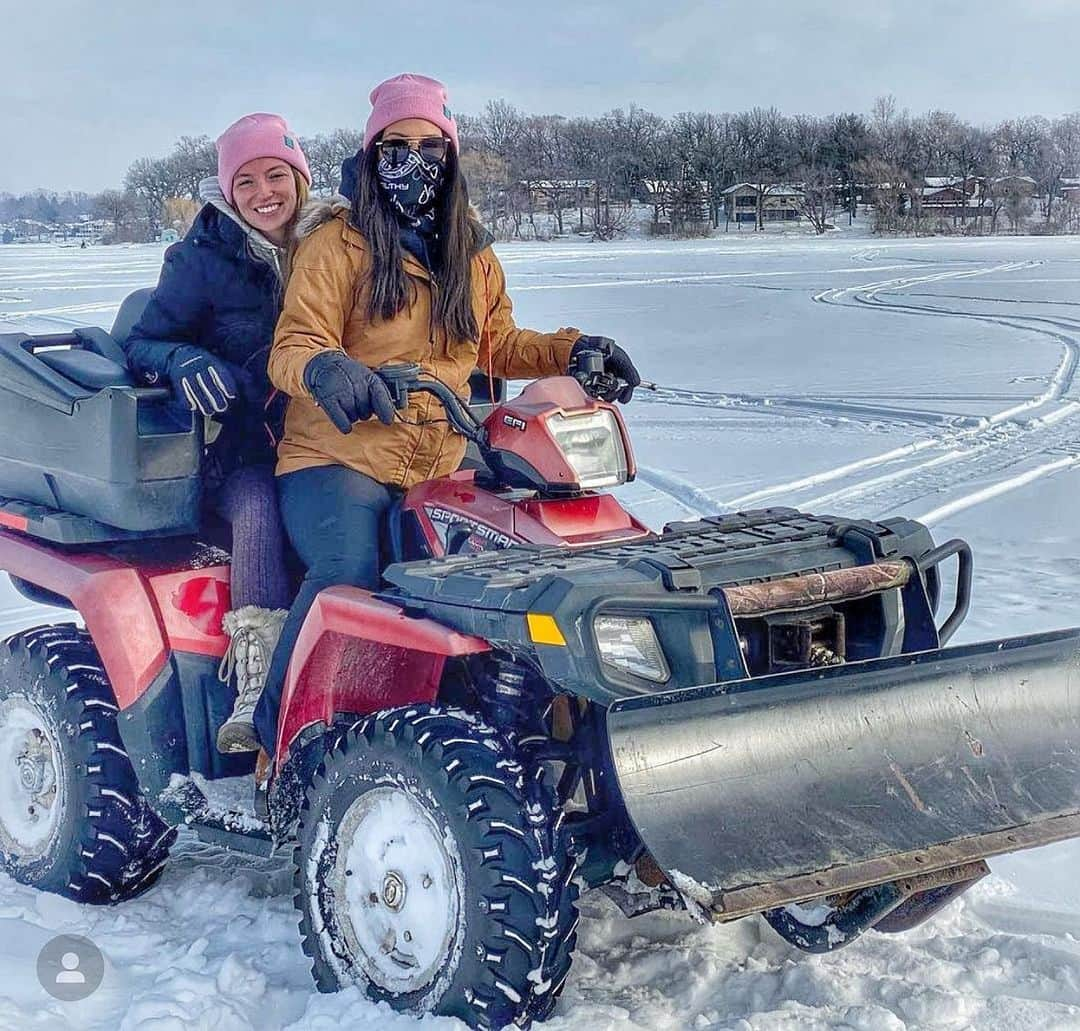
<point x="86" y="87"/>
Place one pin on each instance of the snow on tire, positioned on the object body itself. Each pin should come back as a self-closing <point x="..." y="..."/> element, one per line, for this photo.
<point x="72" y="819"/>
<point x="432" y="871"/>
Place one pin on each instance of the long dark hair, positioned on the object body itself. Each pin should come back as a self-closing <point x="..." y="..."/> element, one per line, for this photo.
<point x="458" y="237"/>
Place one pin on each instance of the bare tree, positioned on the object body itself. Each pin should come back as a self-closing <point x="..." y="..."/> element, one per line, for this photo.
<point x="540" y="162"/>
<point x="707" y="143"/>
<point x="193" y="159"/>
<point x="611" y="220"/>
<point x="487" y="176"/>
<point x="817" y="203"/>
<point x="764" y="151"/>
<point x="116" y="207"/>
<point x="325" y="153"/>
<point x="500" y="128"/>
<point x="523" y="166"/>
<point x="887" y="190"/>
<point x="1064" y="153"/>
<point x="1017" y="208"/>
<point x="153" y="181"/>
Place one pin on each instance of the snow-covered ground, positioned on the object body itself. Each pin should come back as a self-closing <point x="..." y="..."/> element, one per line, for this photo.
<point x="933" y="378"/>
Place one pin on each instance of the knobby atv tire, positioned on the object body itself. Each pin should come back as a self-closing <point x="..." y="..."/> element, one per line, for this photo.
<point x="513" y="947"/>
<point x="108" y="845"/>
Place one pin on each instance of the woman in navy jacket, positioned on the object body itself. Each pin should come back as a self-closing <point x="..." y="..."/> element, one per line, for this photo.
<point x="206" y="333"/>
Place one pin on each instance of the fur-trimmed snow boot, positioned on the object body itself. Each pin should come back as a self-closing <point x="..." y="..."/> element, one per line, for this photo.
<point x="254" y="633"/>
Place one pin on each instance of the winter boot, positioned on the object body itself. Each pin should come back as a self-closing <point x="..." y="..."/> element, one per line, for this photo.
<point x="254" y="632"/>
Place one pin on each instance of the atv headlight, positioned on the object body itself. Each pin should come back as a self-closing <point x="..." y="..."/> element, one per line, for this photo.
<point x="593" y="446"/>
<point x="629" y="643"/>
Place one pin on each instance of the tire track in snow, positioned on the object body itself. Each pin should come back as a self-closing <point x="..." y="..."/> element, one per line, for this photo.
<point x="945" y="473"/>
<point x="695" y="501"/>
<point x="992" y="446"/>
<point x="1002" y="443"/>
<point x="803" y="404"/>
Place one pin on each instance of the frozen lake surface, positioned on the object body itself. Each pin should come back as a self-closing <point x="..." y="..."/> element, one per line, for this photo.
<point x="928" y="378"/>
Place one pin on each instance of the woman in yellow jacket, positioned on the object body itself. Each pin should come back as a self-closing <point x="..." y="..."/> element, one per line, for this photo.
<point x="402" y="273"/>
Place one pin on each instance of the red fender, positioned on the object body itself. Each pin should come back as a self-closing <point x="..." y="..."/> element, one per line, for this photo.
<point x="112" y="597"/>
<point x="357" y="654"/>
<point x="135" y="616"/>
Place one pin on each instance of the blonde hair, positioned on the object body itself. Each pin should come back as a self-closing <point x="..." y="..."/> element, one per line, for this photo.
<point x="303" y="192"/>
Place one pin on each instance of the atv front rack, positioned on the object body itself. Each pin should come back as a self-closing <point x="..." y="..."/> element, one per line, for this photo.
<point x="728" y="597"/>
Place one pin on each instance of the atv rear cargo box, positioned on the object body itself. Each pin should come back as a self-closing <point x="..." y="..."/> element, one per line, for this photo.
<point x="80" y="437"/>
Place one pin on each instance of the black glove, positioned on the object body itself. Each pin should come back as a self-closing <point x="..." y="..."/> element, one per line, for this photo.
<point x="347" y="390"/>
<point x="202" y="380"/>
<point x="622" y="376"/>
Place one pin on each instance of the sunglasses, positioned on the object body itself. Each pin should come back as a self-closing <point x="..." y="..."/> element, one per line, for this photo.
<point x="396" y="151"/>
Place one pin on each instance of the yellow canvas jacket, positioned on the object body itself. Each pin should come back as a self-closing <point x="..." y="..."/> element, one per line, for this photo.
<point x="325" y="307"/>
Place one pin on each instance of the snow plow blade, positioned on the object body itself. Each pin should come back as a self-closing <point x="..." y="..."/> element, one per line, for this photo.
<point x="763" y="792"/>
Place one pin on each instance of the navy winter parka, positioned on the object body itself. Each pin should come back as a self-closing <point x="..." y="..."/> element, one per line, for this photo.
<point x="216" y="294"/>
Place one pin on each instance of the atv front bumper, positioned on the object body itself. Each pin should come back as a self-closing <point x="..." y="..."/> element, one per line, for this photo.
<point x="754" y="794"/>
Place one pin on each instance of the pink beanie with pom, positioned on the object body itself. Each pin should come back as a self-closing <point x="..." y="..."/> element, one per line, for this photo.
<point x="259" y="135"/>
<point x="409" y="96"/>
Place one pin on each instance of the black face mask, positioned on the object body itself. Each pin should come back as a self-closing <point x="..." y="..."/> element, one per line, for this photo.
<point x="413" y="188"/>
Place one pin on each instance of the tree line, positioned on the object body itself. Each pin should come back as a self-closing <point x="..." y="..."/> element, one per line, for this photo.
<point x="529" y="174"/>
<point x="884" y="158"/>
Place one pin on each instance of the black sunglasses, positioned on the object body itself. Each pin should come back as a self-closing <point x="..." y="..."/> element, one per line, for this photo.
<point x="396" y="151"/>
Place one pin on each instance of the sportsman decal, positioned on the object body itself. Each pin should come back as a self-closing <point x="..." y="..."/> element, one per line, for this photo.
<point x="460" y="535"/>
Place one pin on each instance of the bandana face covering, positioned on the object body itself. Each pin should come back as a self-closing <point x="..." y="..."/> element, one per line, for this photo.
<point x="413" y="188"/>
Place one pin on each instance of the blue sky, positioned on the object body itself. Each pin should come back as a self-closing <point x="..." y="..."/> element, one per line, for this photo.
<point x="87" y="87"/>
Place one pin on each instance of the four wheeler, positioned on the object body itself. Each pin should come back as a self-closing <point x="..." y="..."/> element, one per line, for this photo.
<point x="748" y="713"/>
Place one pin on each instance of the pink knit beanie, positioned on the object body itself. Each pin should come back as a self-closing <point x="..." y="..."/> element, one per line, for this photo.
<point x="259" y="135"/>
<point x="409" y="96"/>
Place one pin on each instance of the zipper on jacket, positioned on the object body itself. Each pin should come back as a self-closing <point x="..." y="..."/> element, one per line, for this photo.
<point x="434" y="288"/>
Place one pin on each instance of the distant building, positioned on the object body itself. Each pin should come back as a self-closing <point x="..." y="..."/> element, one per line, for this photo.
<point x="1022" y="185"/>
<point x="780" y="202"/>
<point x="949" y="196"/>
<point x="550" y="194"/>
<point x="1070" y="190"/>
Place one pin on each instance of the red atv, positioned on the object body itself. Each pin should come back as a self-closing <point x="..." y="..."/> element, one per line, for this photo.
<point x="737" y="715"/>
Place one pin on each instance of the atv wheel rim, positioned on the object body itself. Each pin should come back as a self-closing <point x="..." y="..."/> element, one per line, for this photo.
<point x="31" y="790"/>
<point x="397" y="889"/>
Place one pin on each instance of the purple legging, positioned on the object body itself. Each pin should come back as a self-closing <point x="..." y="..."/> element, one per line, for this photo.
<point x="248" y="502"/>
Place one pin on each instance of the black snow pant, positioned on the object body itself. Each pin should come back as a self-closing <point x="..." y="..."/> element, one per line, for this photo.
<point x="334" y="517"/>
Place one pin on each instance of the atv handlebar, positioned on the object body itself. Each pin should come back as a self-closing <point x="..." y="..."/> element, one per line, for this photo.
<point x="403" y="378"/>
<point x="589" y="372"/>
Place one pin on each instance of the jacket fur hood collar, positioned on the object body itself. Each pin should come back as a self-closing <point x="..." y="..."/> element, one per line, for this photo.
<point x="318" y="211"/>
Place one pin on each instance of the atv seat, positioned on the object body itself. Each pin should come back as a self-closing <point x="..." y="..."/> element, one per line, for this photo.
<point x="91" y="359"/>
<point x="129" y="314"/>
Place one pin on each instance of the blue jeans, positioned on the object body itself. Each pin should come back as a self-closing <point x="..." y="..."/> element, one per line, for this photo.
<point x="334" y="517"/>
